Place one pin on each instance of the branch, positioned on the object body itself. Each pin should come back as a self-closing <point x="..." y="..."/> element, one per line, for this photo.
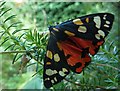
<point x="107" y="66"/>
<point x="8" y="52"/>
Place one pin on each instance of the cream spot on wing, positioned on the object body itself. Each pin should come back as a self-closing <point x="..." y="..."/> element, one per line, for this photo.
<point x="107" y="22"/>
<point x="55" y="29"/>
<point x="77" y="22"/>
<point x="52" y="81"/>
<point x="87" y="20"/>
<point x="97" y="36"/>
<point x="47" y="79"/>
<point x="82" y="29"/>
<point x="56" y="57"/>
<point x="64" y="70"/>
<point x="104" y="17"/>
<point x="59" y="46"/>
<point x="50" y="72"/>
<point x="55" y="79"/>
<point x="106" y="25"/>
<point x="97" y="21"/>
<point x="49" y="54"/>
<point x="69" y="33"/>
<point x="61" y="73"/>
<point x="101" y="33"/>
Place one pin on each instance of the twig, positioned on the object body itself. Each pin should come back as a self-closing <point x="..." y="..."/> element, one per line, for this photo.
<point x="22" y="51"/>
<point x="107" y="66"/>
<point x="7" y="52"/>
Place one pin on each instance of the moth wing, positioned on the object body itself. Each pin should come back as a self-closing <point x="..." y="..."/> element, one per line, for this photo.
<point x="55" y="64"/>
<point x="85" y="35"/>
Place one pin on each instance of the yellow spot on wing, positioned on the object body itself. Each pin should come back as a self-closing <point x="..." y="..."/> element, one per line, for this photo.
<point x="56" y="57"/>
<point x="58" y="44"/>
<point x="69" y="33"/>
<point x="48" y="63"/>
<point x="77" y="22"/>
<point x="52" y="33"/>
<point x="82" y="29"/>
<point x="87" y="20"/>
<point x="49" y="54"/>
<point x="55" y="29"/>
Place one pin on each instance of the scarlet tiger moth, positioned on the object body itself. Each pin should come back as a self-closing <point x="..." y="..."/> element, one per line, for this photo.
<point x="71" y="43"/>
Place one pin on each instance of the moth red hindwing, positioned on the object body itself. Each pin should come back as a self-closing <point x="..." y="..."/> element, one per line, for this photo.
<point x="71" y="43"/>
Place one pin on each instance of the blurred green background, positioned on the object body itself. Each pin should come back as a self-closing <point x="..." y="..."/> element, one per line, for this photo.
<point x="24" y="26"/>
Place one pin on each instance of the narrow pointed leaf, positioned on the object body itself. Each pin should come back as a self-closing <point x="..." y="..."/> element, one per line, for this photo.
<point x="13" y="25"/>
<point x="9" y="47"/>
<point x="5" y="12"/>
<point x="14" y="58"/>
<point x="2" y="4"/>
<point x="5" y="40"/>
<point x="10" y="17"/>
<point x="19" y="30"/>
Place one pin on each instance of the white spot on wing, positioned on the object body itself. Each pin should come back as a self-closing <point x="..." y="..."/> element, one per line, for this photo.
<point x="64" y="70"/>
<point x="106" y="25"/>
<point x="97" y="21"/>
<point x="97" y="36"/>
<point x="52" y="81"/>
<point x="104" y="17"/>
<point x="107" y="22"/>
<point x="61" y="73"/>
<point x="101" y="33"/>
<point x="50" y="72"/>
<point x="55" y="79"/>
<point x="47" y="79"/>
<point x="82" y="29"/>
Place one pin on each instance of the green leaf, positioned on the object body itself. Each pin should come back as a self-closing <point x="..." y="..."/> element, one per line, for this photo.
<point x="2" y="34"/>
<point x="22" y="35"/>
<point x="9" y="46"/>
<point x="111" y="44"/>
<point x="19" y="57"/>
<point x="5" y="40"/>
<point x="14" y="58"/>
<point x="19" y="30"/>
<point x="2" y="4"/>
<point x="10" y="17"/>
<point x="13" y="25"/>
<point x="5" y="12"/>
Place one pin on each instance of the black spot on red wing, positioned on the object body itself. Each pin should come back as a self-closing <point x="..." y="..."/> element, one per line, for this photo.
<point x="87" y="63"/>
<point x="84" y="52"/>
<point x="68" y="56"/>
<point x="77" y="65"/>
<point x="96" y="50"/>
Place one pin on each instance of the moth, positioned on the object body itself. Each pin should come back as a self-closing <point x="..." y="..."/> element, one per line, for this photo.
<point x="71" y="43"/>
